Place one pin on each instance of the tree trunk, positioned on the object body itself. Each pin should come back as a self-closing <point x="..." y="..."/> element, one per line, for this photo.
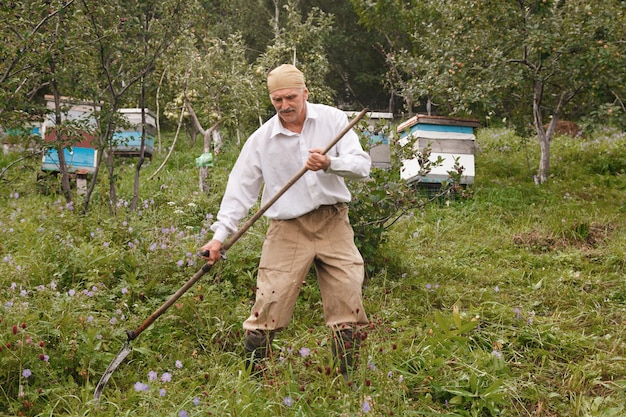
<point x="204" y="171"/>
<point x="142" y="147"/>
<point x="92" y="184"/>
<point x="206" y="134"/>
<point x="112" y="189"/>
<point x="60" y="142"/>
<point x="544" y="140"/>
<point x="545" y="135"/>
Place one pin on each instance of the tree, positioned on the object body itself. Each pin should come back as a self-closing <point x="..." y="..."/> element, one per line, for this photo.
<point x="355" y="77"/>
<point x="125" y="41"/>
<point x="215" y="84"/>
<point x="534" y="60"/>
<point x="357" y="64"/>
<point x="302" y="42"/>
<point x="23" y="41"/>
<point x="57" y="73"/>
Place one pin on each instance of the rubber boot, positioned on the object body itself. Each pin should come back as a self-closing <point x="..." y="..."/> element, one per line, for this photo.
<point x="345" y="345"/>
<point x="257" y="344"/>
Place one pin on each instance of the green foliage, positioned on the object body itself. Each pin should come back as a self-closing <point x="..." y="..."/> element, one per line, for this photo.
<point x="302" y="42"/>
<point x="529" y="61"/>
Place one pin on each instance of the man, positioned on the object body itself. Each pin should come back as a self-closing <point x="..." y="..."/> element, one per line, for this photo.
<point x="308" y="223"/>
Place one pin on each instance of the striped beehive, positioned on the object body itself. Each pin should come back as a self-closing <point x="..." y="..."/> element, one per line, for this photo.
<point x="447" y="137"/>
<point x="127" y="141"/>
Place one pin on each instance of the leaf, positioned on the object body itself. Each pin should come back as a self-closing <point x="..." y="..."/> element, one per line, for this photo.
<point x="439" y="319"/>
<point x="493" y="387"/>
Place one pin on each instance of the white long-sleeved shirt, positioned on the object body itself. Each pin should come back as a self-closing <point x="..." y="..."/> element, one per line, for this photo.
<point x="273" y="155"/>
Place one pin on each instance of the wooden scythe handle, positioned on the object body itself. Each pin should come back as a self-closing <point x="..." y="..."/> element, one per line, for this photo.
<point x="132" y="335"/>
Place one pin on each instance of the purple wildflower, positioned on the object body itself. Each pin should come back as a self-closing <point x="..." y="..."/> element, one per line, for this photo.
<point x="288" y="401"/>
<point x="166" y="377"/>
<point x="140" y="386"/>
<point x="305" y="351"/>
<point x="26" y="373"/>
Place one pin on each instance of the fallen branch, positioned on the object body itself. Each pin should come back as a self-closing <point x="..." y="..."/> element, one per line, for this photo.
<point x="180" y="122"/>
<point x="4" y="171"/>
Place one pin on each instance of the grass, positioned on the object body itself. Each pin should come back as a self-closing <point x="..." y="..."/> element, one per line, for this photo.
<point x="511" y="303"/>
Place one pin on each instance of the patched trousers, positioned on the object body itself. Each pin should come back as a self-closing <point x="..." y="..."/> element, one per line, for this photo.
<point x="324" y="238"/>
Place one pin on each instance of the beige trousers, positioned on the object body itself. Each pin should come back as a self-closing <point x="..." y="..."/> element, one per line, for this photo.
<point x="325" y="239"/>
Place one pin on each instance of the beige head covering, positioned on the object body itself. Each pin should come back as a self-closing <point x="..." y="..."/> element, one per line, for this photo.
<point x="285" y="76"/>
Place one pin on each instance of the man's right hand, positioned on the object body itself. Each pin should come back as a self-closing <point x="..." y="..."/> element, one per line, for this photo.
<point x="212" y="251"/>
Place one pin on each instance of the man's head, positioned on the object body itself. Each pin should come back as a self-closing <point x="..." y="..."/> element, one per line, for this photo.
<point x="289" y="94"/>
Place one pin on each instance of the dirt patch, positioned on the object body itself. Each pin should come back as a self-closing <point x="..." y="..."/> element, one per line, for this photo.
<point x="581" y="235"/>
<point x="565" y="128"/>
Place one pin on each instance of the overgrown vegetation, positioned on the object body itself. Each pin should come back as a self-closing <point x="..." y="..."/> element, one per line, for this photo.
<point x="511" y="302"/>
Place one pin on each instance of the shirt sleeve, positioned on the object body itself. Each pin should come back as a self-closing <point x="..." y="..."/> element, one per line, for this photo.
<point x="242" y="192"/>
<point x="350" y="160"/>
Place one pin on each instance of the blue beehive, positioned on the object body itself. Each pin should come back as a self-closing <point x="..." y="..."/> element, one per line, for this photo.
<point x="128" y="141"/>
<point x="76" y="159"/>
<point x="82" y="156"/>
<point x="447" y="137"/>
<point x="379" y="150"/>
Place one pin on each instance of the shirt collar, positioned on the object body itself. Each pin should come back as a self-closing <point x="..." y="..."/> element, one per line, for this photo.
<point x="278" y="129"/>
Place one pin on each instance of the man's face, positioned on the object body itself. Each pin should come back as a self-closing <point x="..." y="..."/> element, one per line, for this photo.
<point x="290" y="104"/>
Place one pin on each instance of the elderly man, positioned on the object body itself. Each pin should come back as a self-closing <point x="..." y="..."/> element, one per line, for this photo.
<point x="308" y="225"/>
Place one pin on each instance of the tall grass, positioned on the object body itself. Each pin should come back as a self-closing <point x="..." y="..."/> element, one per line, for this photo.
<point x="511" y="303"/>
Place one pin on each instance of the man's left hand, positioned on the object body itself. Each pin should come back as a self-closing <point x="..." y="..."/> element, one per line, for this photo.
<point x="317" y="160"/>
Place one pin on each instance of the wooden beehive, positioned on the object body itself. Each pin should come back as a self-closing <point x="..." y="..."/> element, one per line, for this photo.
<point x="83" y="155"/>
<point x="128" y="140"/>
<point x="379" y="149"/>
<point x="447" y="137"/>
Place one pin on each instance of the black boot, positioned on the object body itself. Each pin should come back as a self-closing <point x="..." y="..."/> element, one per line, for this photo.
<point x="345" y="345"/>
<point x="257" y="344"/>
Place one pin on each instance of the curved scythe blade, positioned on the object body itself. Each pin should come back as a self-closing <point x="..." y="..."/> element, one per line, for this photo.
<point x="126" y="349"/>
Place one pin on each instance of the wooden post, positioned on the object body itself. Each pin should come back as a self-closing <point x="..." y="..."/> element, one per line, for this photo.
<point x="81" y="181"/>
